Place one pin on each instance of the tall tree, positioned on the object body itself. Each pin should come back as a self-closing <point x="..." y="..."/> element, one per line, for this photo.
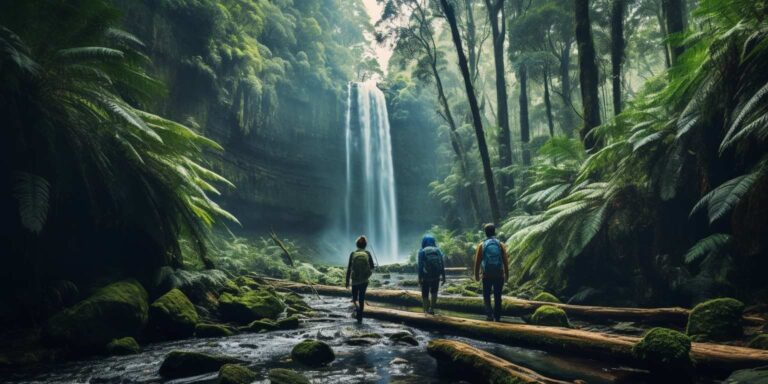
<point x="588" y="73"/>
<point x="617" y="50"/>
<point x="525" y="124"/>
<point x="548" y="103"/>
<point x="498" y="33"/>
<point x="675" y="23"/>
<point x="450" y="15"/>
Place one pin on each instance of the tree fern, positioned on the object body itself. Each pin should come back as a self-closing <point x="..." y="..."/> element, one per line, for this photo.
<point x="706" y="246"/>
<point x="32" y="193"/>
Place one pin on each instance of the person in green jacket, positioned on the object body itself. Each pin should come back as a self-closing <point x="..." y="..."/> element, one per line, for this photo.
<point x="359" y="269"/>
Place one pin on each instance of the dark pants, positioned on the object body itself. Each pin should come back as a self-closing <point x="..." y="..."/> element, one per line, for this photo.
<point x="358" y="296"/>
<point x="429" y="286"/>
<point x="495" y="285"/>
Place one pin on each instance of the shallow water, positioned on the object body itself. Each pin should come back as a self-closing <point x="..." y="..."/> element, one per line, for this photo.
<point x="354" y="364"/>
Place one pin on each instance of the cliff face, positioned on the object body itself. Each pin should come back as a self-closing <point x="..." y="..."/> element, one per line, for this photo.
<point x="279" y="113"/>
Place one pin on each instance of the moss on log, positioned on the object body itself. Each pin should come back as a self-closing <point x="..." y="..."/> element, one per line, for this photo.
<point x="510" y="306"/>
<point x="708" y="357"/>
<point x="482" y="366"/>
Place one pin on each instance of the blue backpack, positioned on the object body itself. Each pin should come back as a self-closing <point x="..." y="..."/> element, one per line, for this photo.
<point x="433" y="263"/>
<point x="493" y="259"/>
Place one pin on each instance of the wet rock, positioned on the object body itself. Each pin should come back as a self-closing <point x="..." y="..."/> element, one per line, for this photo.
<point x="173" y="316"/>
<point x="398" y="361"/>
<point x="286" y="376"/>
<point x="260" y="326"/>
<point x="360" y="341"/>
<point x="114" y="311"/>
<point x="404" y="337"/>
<point x="759" y="342"/>
<point x="546" y="297"/>
<point x="313" y="353"/>
<point x="213" y="330"/>
<point x="249" y="306"/>
<point x="183" y="364"/>
<point x="748" y="376"/>
<point x="664" y="351"/>
<point x="236" y="374"/>
<point x="716" y="320"/>
<point x="548" y="315"/>
<point x="291" y="322"/>
<point x="123" y="346"/>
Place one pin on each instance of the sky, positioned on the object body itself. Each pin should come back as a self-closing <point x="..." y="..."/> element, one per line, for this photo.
<point x="383" y="52"/>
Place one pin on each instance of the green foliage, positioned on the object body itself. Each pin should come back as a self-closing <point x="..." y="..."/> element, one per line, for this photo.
<point x="76" y="110"/>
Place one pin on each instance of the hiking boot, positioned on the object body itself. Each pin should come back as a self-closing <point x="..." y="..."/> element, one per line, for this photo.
<point x="431" y="311"/>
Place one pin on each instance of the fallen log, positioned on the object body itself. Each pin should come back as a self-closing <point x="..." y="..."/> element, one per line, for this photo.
<point x="714" y="358"/>
<point x="515" y="307"/>
<point x="456" y="357"/>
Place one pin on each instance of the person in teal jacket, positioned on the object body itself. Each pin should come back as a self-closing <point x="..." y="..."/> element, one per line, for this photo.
<point x="431" y="271"/>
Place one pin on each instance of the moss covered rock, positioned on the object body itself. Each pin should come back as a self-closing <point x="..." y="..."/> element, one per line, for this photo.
<point x="250" y="306"/>
<point x="313" y="353"/>
<point x="291" y="322"/>
<point x="245" y="281"/>
<point x="260" y="325"/>
<point x="230" y="287"/>
<point x="213" y="330"/>
<point x="549" y="315"/>
<point x="717" y="320"/>
<point x="123" y="346"/>
<point x="546" y="297"/>
<point x="183" y="364"/>
<point x="664" y="350"/>
<point x="759" y="342"/>
<point x="286" y="376"/>
<point x="236" y="374"/>
<point x="172" y="315"/>
<point x="404" y="337"/>
<point x="114" y="311"/>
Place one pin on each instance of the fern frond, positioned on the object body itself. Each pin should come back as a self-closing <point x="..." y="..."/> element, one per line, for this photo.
<point x="32" y="193"/>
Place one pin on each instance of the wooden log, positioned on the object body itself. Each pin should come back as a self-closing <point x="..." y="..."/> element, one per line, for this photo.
<point x="673" y="316"/>
<point x="480" y="366"/>
<point x="714" y="358"/>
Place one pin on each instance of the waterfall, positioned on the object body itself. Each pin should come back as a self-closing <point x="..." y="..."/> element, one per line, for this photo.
<point x="370" y="194"/>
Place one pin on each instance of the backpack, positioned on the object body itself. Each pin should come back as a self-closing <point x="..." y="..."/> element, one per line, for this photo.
<point x="493" y="259"/>
<point x="361" y="267"/>
<point x="432" y="266"/>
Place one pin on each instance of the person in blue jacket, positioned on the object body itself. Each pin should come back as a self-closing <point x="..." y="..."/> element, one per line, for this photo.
<point x="431" y="272"/>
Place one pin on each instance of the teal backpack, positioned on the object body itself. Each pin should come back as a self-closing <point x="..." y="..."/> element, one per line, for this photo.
<point x="493" y="259"/>
<point x="432" y="267"/>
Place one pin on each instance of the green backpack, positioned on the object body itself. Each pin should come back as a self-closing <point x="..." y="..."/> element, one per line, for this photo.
<point x="361" y="267"/>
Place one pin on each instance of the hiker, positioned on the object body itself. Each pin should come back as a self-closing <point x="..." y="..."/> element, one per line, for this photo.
<point x="491" y="260"/>
<point x="431" y="272"/>
<point x="359" y="268"/>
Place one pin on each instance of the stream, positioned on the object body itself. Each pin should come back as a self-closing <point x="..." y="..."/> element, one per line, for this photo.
<point x="380" y="361"/>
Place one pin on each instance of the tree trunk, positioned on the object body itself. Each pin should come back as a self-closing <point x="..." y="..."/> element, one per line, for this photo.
<point x="674" y="316"/>
<point x="548" y="104"/>
<point x="617" y="51"/>
<point x="710" y="358"/>
<point x="455" y="141"/>
<point x="673" y="12"/>
<point x="525" y="125"/>
<point x="588" y="74"/>
<point x="466" y="361"/>
<point x="565" y="82"/>
<point x="471" y="39"/>
<point x="476" y="118"/>
<point x="661" y="18"/>
<point x="506" y="180"/>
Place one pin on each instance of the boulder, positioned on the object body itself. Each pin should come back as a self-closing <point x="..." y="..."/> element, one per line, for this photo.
<point x="250" y="306"/>
<point x="551" y="316"/>
<point x="123" y="346"/>
<point x="236" y="374"/>
<point x="759" y="342"/>
<point x="184" y="364"/>
<point x="213" y="330"/>
<point x="748" y="376"/>
<point x="716" y="320"/>
<point x="260" y="325"/>
<point x="313" y="353"/>
<point x="291" y="322"/>
<point x="546" y="297"/>
<point x="664" y="350"/>
<point x="114" y="311"/>
<point x="173" y="316"/>
<point x="404" y="337"/>
<point x="286" y="376"/>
